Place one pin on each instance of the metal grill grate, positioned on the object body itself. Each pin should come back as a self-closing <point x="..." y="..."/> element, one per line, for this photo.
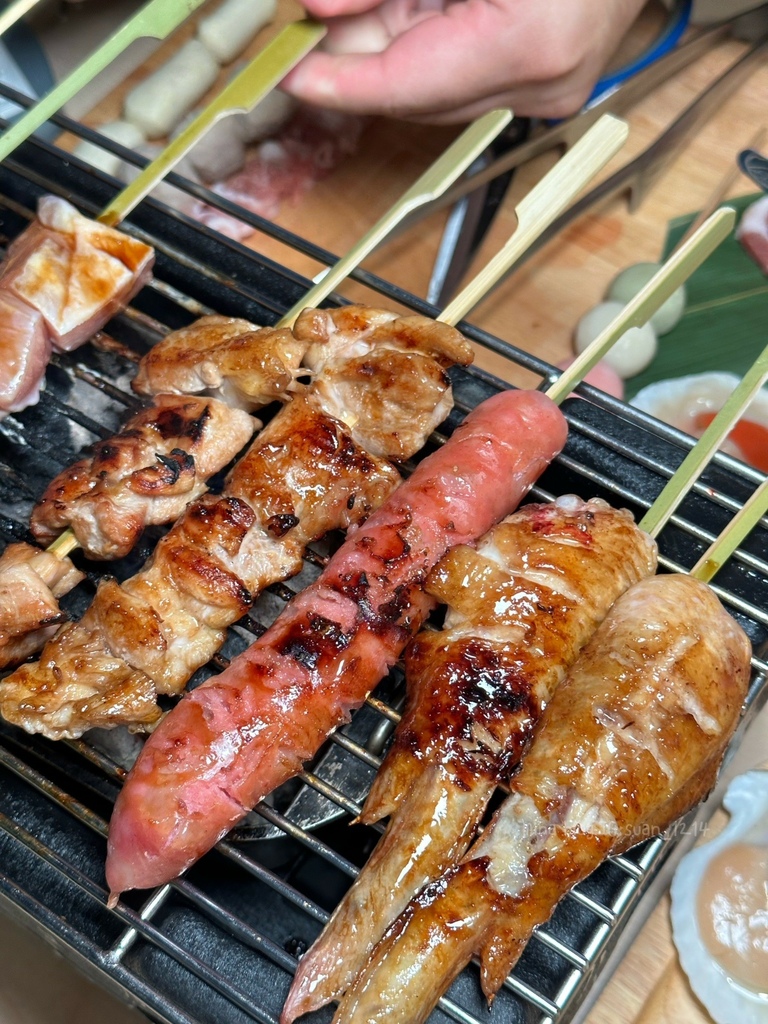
<point x="220" y="944"/>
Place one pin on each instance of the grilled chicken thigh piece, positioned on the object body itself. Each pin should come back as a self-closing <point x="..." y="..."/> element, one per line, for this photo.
<point x="631" y="740"/>
<point x="407" y="356"/>
<point x="31" y="582"/>
<point x="304" y="475"/>
<point x="245" y="365"/>
<point x="520" y="607"/>
<point x="143" y="476"/>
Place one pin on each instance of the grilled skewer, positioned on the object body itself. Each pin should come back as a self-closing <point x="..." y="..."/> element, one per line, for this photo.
<point x="253" y="725"/>
<point x="631" y="740"/>
<point x="306" y="474"/>
<point x="520" y="609"/>
<point x="67" y="275"/>
<point x="246" y="364"/>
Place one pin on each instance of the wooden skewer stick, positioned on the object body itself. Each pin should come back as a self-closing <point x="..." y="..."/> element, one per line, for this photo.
<point x="542" y="205"/>
<point x="709" y="442"/>
<point x="242" y="94"/>
<point x="435" y="180"/>
<point x="745" y="520"/>
<point x="13" y="12"/>
<point x="157" y="19"/>
<point x="664" y="282"/>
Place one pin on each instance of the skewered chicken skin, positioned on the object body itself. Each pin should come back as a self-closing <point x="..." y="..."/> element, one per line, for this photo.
<point x="520" y="607"/>
<point x="631" y="740"/>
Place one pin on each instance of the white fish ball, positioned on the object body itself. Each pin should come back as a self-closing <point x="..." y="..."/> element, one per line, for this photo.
<point x="124" y="132"/>
<point x="220" y="152"/>
<point x="267" y="116"/>
<point x="629" y="282"/>
<point x="633" y="351"/>
<point x="232" y="26"/>
<point x="157" y="104"/>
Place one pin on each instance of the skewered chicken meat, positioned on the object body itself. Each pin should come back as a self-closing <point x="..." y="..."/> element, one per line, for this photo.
<point x="520" y="608"/>
<point x="143" y="476"/>
<point x="305" y="475"/>
<point x="630" y="741"/>
<point x="246" y="365"/>
<point x="63" y="279"/>
<point x="31" y="582"/>
<point x="238" y="736"/>
<point x="406" y="355"/>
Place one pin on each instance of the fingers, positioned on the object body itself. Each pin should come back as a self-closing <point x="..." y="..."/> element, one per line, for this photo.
<point x="440" y="63"/>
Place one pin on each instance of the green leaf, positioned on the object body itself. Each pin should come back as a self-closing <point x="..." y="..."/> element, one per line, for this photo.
<point x="726" y="313"/>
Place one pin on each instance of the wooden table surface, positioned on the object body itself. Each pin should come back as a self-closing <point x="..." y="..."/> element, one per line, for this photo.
<point x="536" y="309"/>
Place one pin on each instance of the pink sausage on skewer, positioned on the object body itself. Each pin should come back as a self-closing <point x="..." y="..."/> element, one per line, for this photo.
<point x="235" y="738"/>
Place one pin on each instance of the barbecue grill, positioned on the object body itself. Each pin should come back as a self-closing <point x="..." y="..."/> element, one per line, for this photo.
<point x="220" y="944"/>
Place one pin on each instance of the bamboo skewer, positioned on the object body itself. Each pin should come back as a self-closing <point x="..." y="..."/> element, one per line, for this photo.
<point x="710" y="440"/>
<point x="242" y="94"/>
<point x="13" y="12"/>
<point x="604" y="138"/>
<point x="745" y="520"/>
<point x="435" y="180"/>
<point x="157" y="19"/>
<point x="542" y="205"/>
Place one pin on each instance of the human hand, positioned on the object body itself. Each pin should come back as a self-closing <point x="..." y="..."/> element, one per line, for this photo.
<point x="448" y="61"/>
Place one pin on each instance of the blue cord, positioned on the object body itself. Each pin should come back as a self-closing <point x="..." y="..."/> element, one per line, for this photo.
<point x="669" y="38"/>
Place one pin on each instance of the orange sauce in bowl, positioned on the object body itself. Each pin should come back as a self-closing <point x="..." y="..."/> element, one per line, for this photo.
<point x="749" y="437"/>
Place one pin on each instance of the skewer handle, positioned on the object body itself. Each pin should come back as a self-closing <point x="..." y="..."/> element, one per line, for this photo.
<point x="543" y="204"/>
<point x="664" y="282"/>
<point x="690" y="468"/>
<point x="63" y="545"/>
<point x="156" y="19"/>
<point x="242" y="94"/>
<point x="13" y="12"/>
<point x="435" y="180"/>
<point x="745" y="520"/>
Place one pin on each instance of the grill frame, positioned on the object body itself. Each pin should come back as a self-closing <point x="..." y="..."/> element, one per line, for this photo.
<point x="55" y="798"/>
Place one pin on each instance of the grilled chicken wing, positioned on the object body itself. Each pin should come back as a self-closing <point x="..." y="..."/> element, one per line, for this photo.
<point x="246" y="365"/>
<point x="62" y="280"/>
<point x="143" y="476"/>
<point x="234" y="738"/>
<point x="632" y="739"/>
<point x="520" y="608"/>
<point x="31" y="582"/>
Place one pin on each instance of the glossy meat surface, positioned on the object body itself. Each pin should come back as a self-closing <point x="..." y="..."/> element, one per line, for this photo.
<point x="247" y="366"/>
<point x="62" y="280"/>
<point x="76" y="272"/>
<point x="305" y="475"/>
<point x="631" y="740"/>
<point x="375" y="368"/>
<point x="520" y="607"/>
<point x="31" y="582"/>
<point x="25" y="348"/>
<point x="301" y="477"/>
<point x="143" y="476"/>
<point x="236" y="737"/>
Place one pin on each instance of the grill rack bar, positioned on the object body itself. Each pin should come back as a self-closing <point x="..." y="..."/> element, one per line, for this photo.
<point x="151" y="923"/>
